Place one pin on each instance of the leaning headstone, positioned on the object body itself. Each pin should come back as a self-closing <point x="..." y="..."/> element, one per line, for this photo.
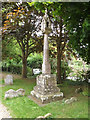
<point x="12" y="93"/>
<point x="72" y="99"/>
<point x="21" y="92"/>
<point x="78" y="90"/>
<point x="8" y="80"/>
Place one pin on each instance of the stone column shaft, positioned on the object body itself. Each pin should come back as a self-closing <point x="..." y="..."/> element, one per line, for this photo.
<point x="46" y="68"/>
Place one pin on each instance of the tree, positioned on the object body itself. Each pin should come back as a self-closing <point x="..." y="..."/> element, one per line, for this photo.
<point x="57" y="31"/>
<point x="10" y="48"/>
<point x="77" y="22"/>
<point x="71" y="16"/>
<point x="21" y="23"/>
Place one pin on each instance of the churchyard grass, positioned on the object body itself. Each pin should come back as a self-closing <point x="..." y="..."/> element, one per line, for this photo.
<point x="23" y="107"/>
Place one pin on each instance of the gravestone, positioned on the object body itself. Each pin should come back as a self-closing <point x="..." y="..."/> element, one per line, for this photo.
<point x="21" y="92"/>
<point x="8" y="80"/>
<point x="46" y="89"/>
<point x="72" y="99"/>
<point x="36" y="71"/>
<point x="12" y="93"/>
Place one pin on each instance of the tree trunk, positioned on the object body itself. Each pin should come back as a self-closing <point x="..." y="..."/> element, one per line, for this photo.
<point x="59" y="54"/>
<point x="64" y="76"/>
<point x="58" y="66"/>
<point x="24" y="67"/>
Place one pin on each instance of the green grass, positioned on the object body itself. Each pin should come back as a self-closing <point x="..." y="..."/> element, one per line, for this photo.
<point x="23" y="107"/>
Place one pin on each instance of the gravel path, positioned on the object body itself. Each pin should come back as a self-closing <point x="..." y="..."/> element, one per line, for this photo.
<point x="3" y="112"/>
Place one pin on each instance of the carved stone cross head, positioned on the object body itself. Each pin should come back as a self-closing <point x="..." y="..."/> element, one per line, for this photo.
<point x="46" y="24"/>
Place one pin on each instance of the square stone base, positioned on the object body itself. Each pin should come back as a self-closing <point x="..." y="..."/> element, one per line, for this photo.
<point x="46" y="90"/>
<point x="44" y="99"/>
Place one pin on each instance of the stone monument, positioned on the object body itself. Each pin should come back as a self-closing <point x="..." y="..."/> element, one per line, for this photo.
<point x="12" y="93"/>
<point x="8" y="80"/>
<point x="46" y="89"/>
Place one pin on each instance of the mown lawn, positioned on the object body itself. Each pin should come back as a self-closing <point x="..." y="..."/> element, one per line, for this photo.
<point x="23" y="107"/>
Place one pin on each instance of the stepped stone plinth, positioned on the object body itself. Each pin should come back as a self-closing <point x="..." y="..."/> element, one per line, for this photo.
<point x="46" y="89"/>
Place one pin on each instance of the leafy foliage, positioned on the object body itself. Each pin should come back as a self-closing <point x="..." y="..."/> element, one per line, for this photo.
<point x="10" y="49"/>
<point x="78" y="25"/>
<point x="11" y="65"/>
<point x="35" y="61"/>
<point x="16" y="23"/>
<point x="70" y="24"/>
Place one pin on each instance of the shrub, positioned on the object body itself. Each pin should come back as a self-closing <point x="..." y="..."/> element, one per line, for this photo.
<point x="65" y="69"/>
<point x="53" y="63"/>
<point x="29" y="71"/>
<point x="11" y="66"/>
<point x="35" y="61"/>
<point x="85" y="92"/>
<point x="16" y="69"/>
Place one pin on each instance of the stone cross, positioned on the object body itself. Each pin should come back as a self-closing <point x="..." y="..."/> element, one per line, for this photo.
<point x="46" y="89"/>
<point x="46" y="29"/>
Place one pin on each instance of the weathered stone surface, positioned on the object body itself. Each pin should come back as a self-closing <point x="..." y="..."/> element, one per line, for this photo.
<point x="46" y="89"/>
<point x="72" y="99"/>
<point x="12" y="93"/>
<point x="46" y="80"/>
<point x="44" y="99"/>
<point x="46" y="29"/>
<point x="46" y="23"/>
<point x="21" y="92"/>
<point x="8" y="80"/>
<point x="78" y="90"/>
